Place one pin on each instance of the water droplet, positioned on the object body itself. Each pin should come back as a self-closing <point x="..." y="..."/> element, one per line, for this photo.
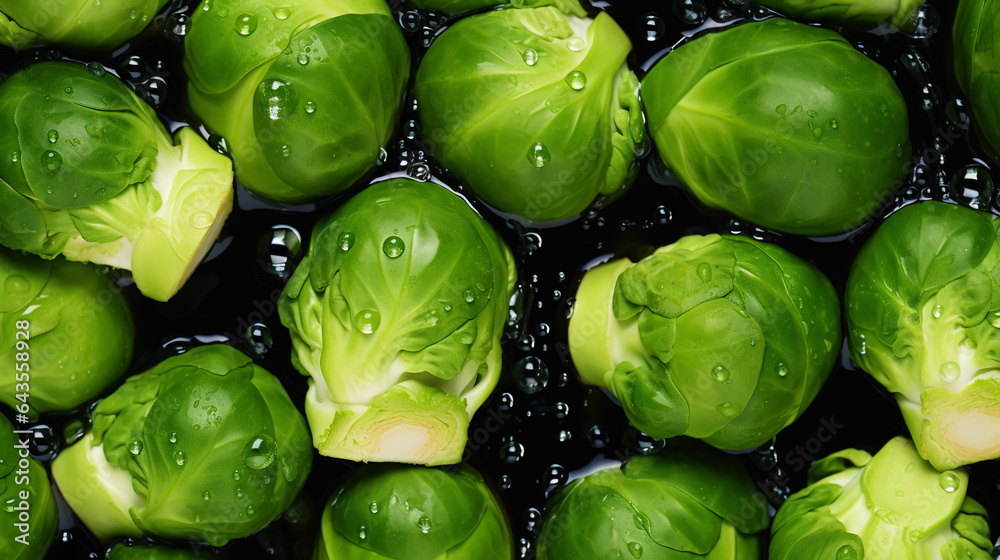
<point x="310" y="107"/>
<point x="691" y="12"/>
<point x="180" y="458"/>
<point x="950" y="371"/>
<point x="259" y="339"/>
<point x="923" y="22"/>
<point x="818" y="132"/>
<point x="418" y="171"/>
<point x="511" y="452"/>
<point x="362" y="534"/>
<point x="958" y="113"/>
<point x="972" y="186"/>
<point x="833" y="124"/>
<point x="282" y="14"/>
<point x="245" y="24"/>
<point x="936" y="312"/>
<point x="201" y="220"/>
<point x="847" y="552"/>
<point x="530" y="57"/>
<point x="367" y="321"/>
<point x="720" y="373"/>
<point x="278" y="250"/>
<point x="635" y="549"/>
<point x="373" y="507"/>
<point x="729" y="410"/>
<point x="995" y="319"/>
<point x="393" y="247"/>
<point x="382" y="156"/>
<point x="14" y="156"/>
<point x="303" y="59"/>
<point x="655" y="28"/>
<point x="531" y="374"/>
<point x="53" y="136"/>
<point x="597" y="438"/>
<point x="576" y="44"/>
<point x="52" y="161"/>
<point x="560" y="410"/>
<point x="260" y="452"/>
<point x="576" y="80"/>
<point x="97" y="69"/>
<point x="705" y="272"/>
<point x="207" y="495"/>
<point x="539" y="155"/>
<point x="16" y="284"/>
<point x="425" y="524"/>
<point x="781" y="109"/>
<point x="914" y="536"/>
<point x="346" y="241"/>
<point x="250" y="511"/>
<point x="135" y="447"/>
<point x="782" y="369"/>
<point x="275" y="99"/>
<point x="948" y="481"/>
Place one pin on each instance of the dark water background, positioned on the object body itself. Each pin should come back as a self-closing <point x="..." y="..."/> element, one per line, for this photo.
<point x="541" y="427"/>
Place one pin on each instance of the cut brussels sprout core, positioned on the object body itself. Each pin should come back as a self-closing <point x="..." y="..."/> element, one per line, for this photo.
<point x="812" y="143"/>
<point x="117" y="189"/>
<point x="725" y="339"/>
<point x="205" y="446"/>
<point x="892" y="505"/>
<point x="920" y="300"/>
<point x="540" y="119"/>
<point x="396" y="315"/>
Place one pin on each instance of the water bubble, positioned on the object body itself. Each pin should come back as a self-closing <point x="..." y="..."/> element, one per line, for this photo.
<point x="282" y="14"/>
<point x="362" y="534"/>
<point x="847" y="552"/>
<point x="539" y="155"/>
<point x="950" y="371"/>
<point x="554" y="477"/>
<point x="424" y="523"/>
<point x="373" y="507"/>
<point x="655" y="28"/>
<point x="560" y="410"/>
<point x="511" y="452"/>
<point x="691" y="12"/>
<point x="504" y="482"/>
<point x="531" y="374"/>
<point x="207" y="496"/>
<point x="51" y="161"/>
<point x="260" y="452"/>
<point x="720" y="373"/>
<point x="922" y="23"/>
<point x="303" y="59"/>
<point x="367" y="321"/>
<point x="781" y="369"/>
<point x="135" y="447"/>
<point x="576" y="44"/>
<point x="393" y="247"/>
<point x="469" y="296"/>
<point x="245" y="24"/>
<point x="958" y="114"/>
<point x="172" y="437"/>
<point x="250" y="511"/>
<point x="310" y="107"/>
<point x="418" y="171"/>
<point x="259" y="339"/>
<point x="53" y="136"/>
<point x="635" y="549"/>
<point x="597" y="438"/>
<point x="576" y="80"/>
<point x="565" y="435"/>
<point x="278" y="250"/>
<point x="948" y="481"/>
<point x="972" y="186"/>
<point x="201" y="220"/>
<point x="275" y="98"/>
<point x="97" y="69"/>
<point x="639" y="443"/>
<point x="15" y="156"/>
<point x="180" y="458"/>
<point x="936" y="312"/>
<point x="530" y="57"/>
<point x="178" y="24"/>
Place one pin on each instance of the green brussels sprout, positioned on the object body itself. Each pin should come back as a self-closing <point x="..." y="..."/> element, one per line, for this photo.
<point x="72" y="23"/>
<point x="30" y="516"/>
<point x="892" y="505"/>
<point x="922" y="318"/>
<point x="306" y="92"/>
<point x="456" y="6"/>
<point x="976" y="43"/>
<point x="684" y="502"/>
<point x="409" y="512"/>
<point x="396" y="313"/>
<point x="534" y="108"/>
<point x="153" y="551"/>
<point x="725" y="339"/>
<point x="812" y="141"/>
<point x="857" y="14"/>
<point x="203" y="446"/>
<point x="67" y="333"/>
<point x="90" y="172"/>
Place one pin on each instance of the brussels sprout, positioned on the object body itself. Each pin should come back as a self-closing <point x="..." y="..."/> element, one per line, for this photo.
<point x="534" y="108"/>
<point x="396" y="314"/>
<point x="455" y="6"/>
<point x="411" y="512"/>
<point x="82" y="25"/>
<point x="205" y="446"/>
<point x="976" y="37"/>
<point x="857" y="14"/>
<point x="154" y="551"/>
<point x="811" y="142"/>
<point x="685" y="502"/>
<point x="724" y="339"/>
<point x="892" y="505"/>
<point x="922" y="315"/>
<point x="306" y="92"/>
<point x="67" y="333"/>
<point x="30" y="517"/>
<point x="90" y="172"/>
